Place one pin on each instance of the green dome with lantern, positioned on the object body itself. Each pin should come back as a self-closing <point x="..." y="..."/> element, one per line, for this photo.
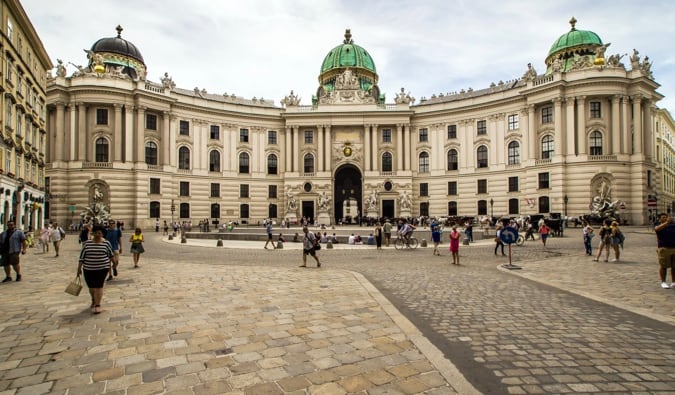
<point x="572" y="45"/>
<point x="348" y="56"/>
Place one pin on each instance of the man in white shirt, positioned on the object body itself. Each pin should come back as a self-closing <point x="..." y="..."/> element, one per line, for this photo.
<point x="56" y="235"/>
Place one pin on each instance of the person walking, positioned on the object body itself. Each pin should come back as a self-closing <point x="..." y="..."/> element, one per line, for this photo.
<point x="95" y="258"/>
<point x="84" y="234"/>
<point x="13" y="244"/>
<point x="44" y="239"/>
<point x="665" y="249"/>
<point x="378" y="235"/>
<point x="605" y="240"/>
<point x="386" y="230"/>
<point x="436" y="236"/>
<point x="166" y="228"/>
<point x="498" y="240"/>
<point x="544" y="230"/>
<point x="157" y="225"/>
<point x="468" y="231"/>
<point x="309" y="247"/>
<point x="615" y="240"/>
<point x="454" y="245"/>
<point x="114" y="236"/>
<point x="57" y="234"/>
<point x="136" y="249"/>
<point x="588" y="234"/>
<point x="268" y="227"/>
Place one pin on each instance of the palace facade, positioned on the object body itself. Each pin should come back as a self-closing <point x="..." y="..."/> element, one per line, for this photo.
<point x="544" y="143"/>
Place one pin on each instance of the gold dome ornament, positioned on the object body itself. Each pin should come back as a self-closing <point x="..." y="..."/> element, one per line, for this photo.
<point x="347" y="151"/>
<point x="99" y="68"/>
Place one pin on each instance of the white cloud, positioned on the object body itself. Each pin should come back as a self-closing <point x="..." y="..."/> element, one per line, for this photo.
<point x="266" y="48"/>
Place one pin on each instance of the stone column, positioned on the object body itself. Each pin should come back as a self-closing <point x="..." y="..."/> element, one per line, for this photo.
<point x="493" y="156"/>
<point x="59" y="140"/>
<point x="525" y="132"/>
<point x="82" y="145"/>
<point x="626" y="131"/>
<point x="320" y="165"/>
<point x="570" y="141"/>
<point x="616" y="125"/>
<point x="165" y="140"/>
<point x="366" y="140"/>
<point x="399" y="146"/>
<point x="649" y="140"/>
<point x="559" y="141"/>
<point x="638" y="139"/>
<point x="406" y="144"/>
<point x="581" y="124"/>
<point x="465" y="145"/>
<point x="128" y="133"/>
<point x="532" y="139"/>
<point x="117" y="133"/>
<point x="328" y="144"/>
<point x="72" y="134"/>
<point x="375" y="157"/>
<point x="139" y="155"/>
<point x="296" y="148"/>
<point x="173" y="128"/>
<point x="288" y="139"/>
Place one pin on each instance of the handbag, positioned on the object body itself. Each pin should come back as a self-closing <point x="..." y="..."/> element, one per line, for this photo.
<point x="75" y="286"/>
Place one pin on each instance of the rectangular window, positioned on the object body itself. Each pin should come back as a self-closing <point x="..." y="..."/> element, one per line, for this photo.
<point x="452" y="131"/>
<point x="309" y="137"/>
<point x="424" y="189"/>
<point x="547" y="115"/>
<point x="271" y="137"/>
<point x="214" y="133"/>
<point x="184" y="188"/>
<point x="424" y="209"/>
<point x="513" y="184"/>
<point x="482" y="186"/>
<point x="481" y="127"/>
<point x="215" y="189"/>
<point x="184" y="128"/>
<point x="243" y="135"/>
<point x="386" y="135"/>
<point x="154" y="186"/>
<point x="272" y="191"/>
<point x="452" y="187"/>
<point x="543" y="181"/>
<point x="243" y="190"/>
<point x="513" y="121"/>
<point x="101" y="116"/>
<point x="151" y="121"/>
<point x="424" y="134"/>
<point x="596" y="109"/>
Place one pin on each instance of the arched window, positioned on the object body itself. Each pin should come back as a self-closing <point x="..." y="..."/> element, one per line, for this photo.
<point x="514" y="153"/>
<point x="184" y="158"/>
<point x="215" y="210"/>
<point x="101" y="150"/>
<point x="424" y="209"/>
<point x="308" y="163"/>
<point x="272" y="164"/>
<point x="482" y="156"/>
<point x="272" y="211"/>
<point x="596" y="143"/>
<point x="214" y="161"/>
<point x="424" y="162"/>
<point x="481" y="205"/>
<point x="184" y="211"/>
<point x="243" y="211"/>
<point x="151" y="153"/>
<point x="544" y="204"/>
<point x="154" y="210"/>
<point x="547" y="147"/>
<point x="452" y="159"/>
<point x="452" y="208"/>
<point x="243" y="163"/>
<point x="514" y="206"/>
<point x="387" y="162"/>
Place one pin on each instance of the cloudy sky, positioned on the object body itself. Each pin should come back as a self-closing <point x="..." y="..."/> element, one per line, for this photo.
<point x="268" y="48"/>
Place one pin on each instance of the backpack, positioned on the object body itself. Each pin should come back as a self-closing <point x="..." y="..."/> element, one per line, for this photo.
<point x="621" y="237"/>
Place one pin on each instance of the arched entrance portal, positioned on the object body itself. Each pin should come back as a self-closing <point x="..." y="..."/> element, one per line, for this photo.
<point x="347" y="199"/>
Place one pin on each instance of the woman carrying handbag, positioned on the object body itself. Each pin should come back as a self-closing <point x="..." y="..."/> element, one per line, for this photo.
<point x="94" y="264"/>
<point x="136" y="249"/>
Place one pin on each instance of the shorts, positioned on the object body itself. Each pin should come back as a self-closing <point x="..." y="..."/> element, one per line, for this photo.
<point x="269" y="236"/>
<point x="666" y="257"/>
<point x="95" y="278"/>
<point x="10" y="259"/>
<point x="310" y="251"/>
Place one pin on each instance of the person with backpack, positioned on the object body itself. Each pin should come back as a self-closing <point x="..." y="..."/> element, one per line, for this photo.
<point x="12" y="245"/>
<point x="309" y="247"/>
<point x="57" y="234"/>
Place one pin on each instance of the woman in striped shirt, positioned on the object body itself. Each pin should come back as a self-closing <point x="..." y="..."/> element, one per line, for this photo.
<point x="95" y="259"/>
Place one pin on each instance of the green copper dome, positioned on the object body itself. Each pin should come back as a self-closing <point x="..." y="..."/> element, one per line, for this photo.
<point x="574" y="38"/>
<point x="348" y="55"/>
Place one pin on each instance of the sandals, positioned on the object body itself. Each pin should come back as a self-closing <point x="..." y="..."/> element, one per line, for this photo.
<point x="97" y="309"/>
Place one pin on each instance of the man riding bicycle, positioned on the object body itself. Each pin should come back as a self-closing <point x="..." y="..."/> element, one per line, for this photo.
<point x="406" y="231"/>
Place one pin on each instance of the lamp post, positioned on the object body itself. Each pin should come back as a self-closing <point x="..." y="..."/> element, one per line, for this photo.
<point x="565" y="200"/>
<point x="492" y="213"/>
<point x="173" y="209"/>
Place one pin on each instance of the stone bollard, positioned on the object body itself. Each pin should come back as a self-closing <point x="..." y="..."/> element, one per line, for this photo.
<point x="170" y="237"/>
<point x="329" y="245"/>
<point x="465" y="241"/>
<point x="423" y="243"/>
<point x="219" y="243"/>
<point x="280" y="245"/>
<point x="183" y="239"/>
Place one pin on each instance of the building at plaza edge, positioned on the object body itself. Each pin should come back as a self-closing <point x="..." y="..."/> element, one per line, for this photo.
<point x="580" y="131"/>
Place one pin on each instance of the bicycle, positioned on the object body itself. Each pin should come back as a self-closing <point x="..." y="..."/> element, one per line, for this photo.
<point x="402" y="243"/>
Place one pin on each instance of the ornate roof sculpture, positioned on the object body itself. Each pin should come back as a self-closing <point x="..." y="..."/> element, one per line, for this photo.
<point x="573" y="48"/>
<point x="348" y="75"/>
<point x="118" y="56"/>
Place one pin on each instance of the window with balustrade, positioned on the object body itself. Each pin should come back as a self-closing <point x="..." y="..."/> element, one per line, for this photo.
<point x="272" y="164"/>
<point x="387" y="161"/>
<point x="102" y="149"/>
<point x="308" y="163"/>
<point x="424" y="162"/>
<point x="184" y="158"/>
<point x="547" y="147"/>
<point x="482" y="157"/>
<point x="595" y="143"/>
<point x="244" y="163"/>
<point x="151" y="153"/>
<point x="514" y="153"/>
<point x="214" y="161"/>
<point x="453" y="161"/>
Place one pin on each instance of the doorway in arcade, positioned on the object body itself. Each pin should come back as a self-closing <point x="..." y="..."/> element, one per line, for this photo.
<point x="347" y="194"/>
<point x="308" y="211"/>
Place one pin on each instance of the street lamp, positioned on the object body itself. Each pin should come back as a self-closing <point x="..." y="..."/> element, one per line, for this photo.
<point x="565" y="200"/>
<point x="492" y="213"/>
<point x="173" y="209"/>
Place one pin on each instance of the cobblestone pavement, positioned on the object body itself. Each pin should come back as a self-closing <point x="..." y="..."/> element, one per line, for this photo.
<point x="200" y="319"/>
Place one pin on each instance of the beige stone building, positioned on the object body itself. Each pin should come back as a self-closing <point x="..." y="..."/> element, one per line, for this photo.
<point x="24" y="67"/>
<point x="548" y="142"/>
<point x="663" y="192"/>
